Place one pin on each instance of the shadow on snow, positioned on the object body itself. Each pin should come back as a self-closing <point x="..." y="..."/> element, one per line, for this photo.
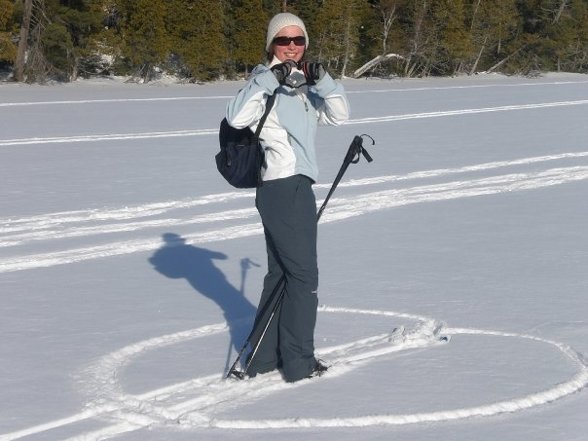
<point x="176" y="260"/>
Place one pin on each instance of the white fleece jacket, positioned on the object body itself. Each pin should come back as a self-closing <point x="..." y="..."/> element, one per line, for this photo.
<point x="288" y="135"/>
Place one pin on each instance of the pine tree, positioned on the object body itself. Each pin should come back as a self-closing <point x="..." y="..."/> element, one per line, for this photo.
<point x="455" y="41"/>
<point x="7" y="47"/>
<point x="579" y="51"/>
<point x="492" y="26"/>
<point x="328" y="41"/>
<point x="57" y="42"/>
<point x="196" y="36"/>
<point x="565" y="34"/>
<point x="273" y="7"/>
<point x="248" y="25"/>
<point x="337" y="44"/>
<point x="84" y="22"/>
<point x="501" y="23"/>
<point x="56" y="37"/>
<point x="386" y="13"/>
<point x="58" y="49"/>
<point x="145" y="44"/>
<point x="23" y="40"/>
<point x="532" y="49"/>
<point x="420" y="38"/>
<point x="355" y="12"/>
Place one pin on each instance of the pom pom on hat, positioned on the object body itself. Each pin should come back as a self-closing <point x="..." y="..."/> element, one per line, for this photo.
<point x="280" y="21"/>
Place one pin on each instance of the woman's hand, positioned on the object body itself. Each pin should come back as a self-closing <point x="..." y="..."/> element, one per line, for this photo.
<point x="282" y="70"/>
<point x="313" y="72"/>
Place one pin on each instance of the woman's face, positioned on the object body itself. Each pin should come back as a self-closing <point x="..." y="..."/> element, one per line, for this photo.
<point x="285" y="49"/>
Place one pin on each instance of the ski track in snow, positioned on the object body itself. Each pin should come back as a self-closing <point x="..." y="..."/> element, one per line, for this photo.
<point x="227" y="97"/>
<point x="100" y="227"/>
<point x="200" y="132"/>
<point x="195" y="403"/>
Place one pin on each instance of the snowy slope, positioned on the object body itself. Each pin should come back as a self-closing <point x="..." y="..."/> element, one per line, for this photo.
<point x="129" y="271"/>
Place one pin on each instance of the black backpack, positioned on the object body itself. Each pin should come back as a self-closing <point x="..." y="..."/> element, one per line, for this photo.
<point x="241" y="156"/>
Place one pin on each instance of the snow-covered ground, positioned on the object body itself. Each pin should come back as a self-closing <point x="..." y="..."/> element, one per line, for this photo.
<point x="129" y="271"/>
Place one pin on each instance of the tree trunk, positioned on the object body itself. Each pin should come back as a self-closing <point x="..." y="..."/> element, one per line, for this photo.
<point x="475" y="66"/>
<point x="373" y="63"/>
<point x="475" y="11"/>
<point x="388" y="16"/>
<point x="19" y="64"/>
<point x="504" y="60"/>
<point x="562" y="6"/>
<point x="347" y="47"/>
<point x="415" y="43"/>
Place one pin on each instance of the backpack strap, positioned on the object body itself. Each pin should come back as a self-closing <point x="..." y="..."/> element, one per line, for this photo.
<point x="268" y="107"/>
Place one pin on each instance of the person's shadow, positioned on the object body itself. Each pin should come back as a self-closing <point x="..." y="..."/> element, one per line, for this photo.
<point x="176" y="259"/>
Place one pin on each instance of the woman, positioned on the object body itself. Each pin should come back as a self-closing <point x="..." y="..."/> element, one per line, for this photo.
<point x="305" y="96"/>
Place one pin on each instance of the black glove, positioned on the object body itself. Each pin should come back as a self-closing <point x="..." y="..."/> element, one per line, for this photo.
<point x="282" y="70"/>
<point x="313" y="72"/>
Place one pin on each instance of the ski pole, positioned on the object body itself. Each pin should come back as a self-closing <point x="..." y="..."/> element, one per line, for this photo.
<point x="353" y="156"/>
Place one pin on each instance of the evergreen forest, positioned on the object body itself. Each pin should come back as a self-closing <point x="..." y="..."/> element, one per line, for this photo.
<point x="204" y="40"/>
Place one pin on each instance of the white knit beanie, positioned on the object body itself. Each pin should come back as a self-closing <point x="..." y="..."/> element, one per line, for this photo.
<point x="280" y="21"/>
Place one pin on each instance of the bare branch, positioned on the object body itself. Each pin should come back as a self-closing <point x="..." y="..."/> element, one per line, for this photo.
<point x="372" y="64"/>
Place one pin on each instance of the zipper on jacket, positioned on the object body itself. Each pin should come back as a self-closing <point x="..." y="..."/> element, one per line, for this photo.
<point x="304" y="99"/>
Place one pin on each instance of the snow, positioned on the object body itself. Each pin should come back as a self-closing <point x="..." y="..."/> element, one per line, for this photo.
<point x="452" y="268"/>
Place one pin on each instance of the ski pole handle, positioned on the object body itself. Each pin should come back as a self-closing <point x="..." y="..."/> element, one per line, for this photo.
<point x="356" y="149"/>
<point x="352" y="156"/>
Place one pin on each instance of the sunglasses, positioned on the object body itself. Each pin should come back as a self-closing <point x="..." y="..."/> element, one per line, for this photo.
<point x="285" y="41"/>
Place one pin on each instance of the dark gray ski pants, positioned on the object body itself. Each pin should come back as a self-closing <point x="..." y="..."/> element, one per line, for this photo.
<point x="288" y="211"/>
